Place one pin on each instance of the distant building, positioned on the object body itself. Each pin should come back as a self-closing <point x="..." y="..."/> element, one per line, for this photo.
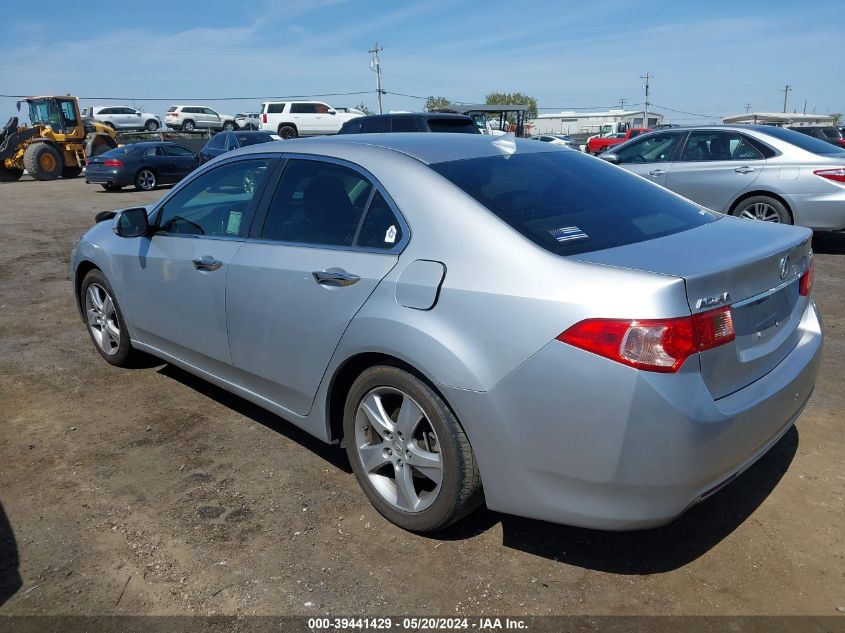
<point x="780" y="119"/>
<point x="593" y="122"/>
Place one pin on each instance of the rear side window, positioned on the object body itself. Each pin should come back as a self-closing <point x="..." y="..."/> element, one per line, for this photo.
<point x="275" y="108"/>
<point x="404" y="124"/>
<point x="461" y="126"/>
<point x="377" y="125"/>
<point x="252" y="139"/>
<point x="177" y="150"/>
<point x="569" y="203"/>
<point x="831" y="133"/>
<point x="317" y="203"/>
<point x="380" y="228"/>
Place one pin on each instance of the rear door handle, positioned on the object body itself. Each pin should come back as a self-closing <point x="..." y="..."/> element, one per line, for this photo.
<point x="744" y="170"/>
<point x="325" y="278"/>
<point x="207" y="262"/>
<point x="657" y="172"/>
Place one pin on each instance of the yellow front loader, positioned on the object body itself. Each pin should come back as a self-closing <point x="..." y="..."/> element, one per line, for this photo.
<point x="56" y="144"/>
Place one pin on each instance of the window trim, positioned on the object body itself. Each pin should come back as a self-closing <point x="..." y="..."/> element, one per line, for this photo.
<point x="260" y="217"/>
<point x="254" y="205"/>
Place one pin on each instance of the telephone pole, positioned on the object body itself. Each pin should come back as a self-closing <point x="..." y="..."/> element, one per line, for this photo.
<point x="747" y="107"/>
<point x="622" y="103"/>
<point x="647" y="77"/>
<point x="375" y="64"/>
<point x="786" y="90"/>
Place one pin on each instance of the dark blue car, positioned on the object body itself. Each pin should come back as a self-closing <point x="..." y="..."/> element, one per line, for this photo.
<point x="223" y="142"/>
<point x="145" y="165"/>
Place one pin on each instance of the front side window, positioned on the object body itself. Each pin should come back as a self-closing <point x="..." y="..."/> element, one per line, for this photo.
<point x="569" y="203"/>
<point x="217" y="203"/>
<point x="351" y="127"/>
<point x="231" y="142"/>
<point x="217" y="141"/>
<point x="317" y="203"/>
<point x="377" y="125"/>
<point x="654" y="148"/>
<point x="154" y="151"/>
<point x="209" y="111"/>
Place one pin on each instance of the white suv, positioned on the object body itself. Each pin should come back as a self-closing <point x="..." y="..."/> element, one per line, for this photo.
<point x="124" y="118"/>
<point x="290" y="119"/>
<point x="190" y="118"/>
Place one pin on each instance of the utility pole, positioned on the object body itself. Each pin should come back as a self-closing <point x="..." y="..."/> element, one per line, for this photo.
<point x="622" y="103"/>
<point x="786" y="90"/>
<point x="376" y="66"/>
<point x="747" y="108"/>
<point x="805" y="106"/>
<point x="648" y="77"/>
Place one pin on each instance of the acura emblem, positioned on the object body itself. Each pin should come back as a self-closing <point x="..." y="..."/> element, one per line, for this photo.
<point x="784" y="267"/>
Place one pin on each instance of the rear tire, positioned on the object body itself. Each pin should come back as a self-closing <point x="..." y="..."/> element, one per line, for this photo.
<point x="229" y="126"/>
<point x="104" y="320"/>
<point x="43" y="161"/>
<point x="145" y="180"/>
<point x="71" y="171"/>
<point x="431" y="466"/>
<point x="288" y="131"/>
<point x="763" y="208"/>
<point x="188" y="126"/>
<point x="10" y="175"/>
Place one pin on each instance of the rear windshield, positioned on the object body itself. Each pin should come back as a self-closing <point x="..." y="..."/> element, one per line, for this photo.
<point x="831" y="132"/>
<point x="807" y="143"/>
<point x="252" y="139"/>
<point x="569" y="203"/>
<point x="463" y="126"/>
<point x="123" y="150"/>
<point x="172" y="109"/>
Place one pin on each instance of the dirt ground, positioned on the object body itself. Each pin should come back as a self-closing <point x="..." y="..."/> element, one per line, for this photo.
<point x="149" y="491"/>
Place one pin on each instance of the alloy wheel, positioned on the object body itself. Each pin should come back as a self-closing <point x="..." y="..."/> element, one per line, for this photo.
<point x="398" y="449"/>
<point x="760" y="211"/>
<point x="146" y="180"/>
<point x="102" y="319"/>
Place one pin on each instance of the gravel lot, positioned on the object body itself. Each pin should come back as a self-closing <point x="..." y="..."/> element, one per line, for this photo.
<point x="149" y="491"/>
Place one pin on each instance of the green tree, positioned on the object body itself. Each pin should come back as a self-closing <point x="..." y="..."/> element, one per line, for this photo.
<point x="436" y="103"/>
<point x="363" y="108"/>
<point x="513" y="98"/>
<point x="837" y="118"/>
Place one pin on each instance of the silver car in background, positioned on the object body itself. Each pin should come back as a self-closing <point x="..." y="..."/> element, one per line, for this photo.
<point x="476" y="319"/>
<point x="752" y="171"/>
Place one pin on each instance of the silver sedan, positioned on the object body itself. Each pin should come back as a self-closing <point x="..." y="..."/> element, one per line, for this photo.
<point x="751" y="171"/>
<point x="476" y="319"/>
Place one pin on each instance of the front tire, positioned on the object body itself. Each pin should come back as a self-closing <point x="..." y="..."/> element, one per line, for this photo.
<point x="763" y="208"/>
<point x="10" y="175"/>
<point x="43" y="161"/>
<point x="152" y="125"/>
<point x="408" y="451"/>
<point x="110" y="187"/>
<point x="106" y="325"/>
<point x="145" y="180"/>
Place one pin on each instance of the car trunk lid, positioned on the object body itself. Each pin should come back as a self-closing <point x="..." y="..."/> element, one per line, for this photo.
<point x="754" y="267"/>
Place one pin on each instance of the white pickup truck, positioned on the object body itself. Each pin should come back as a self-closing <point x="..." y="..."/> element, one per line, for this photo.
<point x="290" y="119"/>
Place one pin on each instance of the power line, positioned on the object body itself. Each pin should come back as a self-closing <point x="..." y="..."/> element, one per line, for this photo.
<point x="703" y="116"/>
<point x="112" y="98"/>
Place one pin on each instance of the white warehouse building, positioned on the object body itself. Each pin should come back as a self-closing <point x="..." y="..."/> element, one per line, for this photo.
<point x="593" y="122"/>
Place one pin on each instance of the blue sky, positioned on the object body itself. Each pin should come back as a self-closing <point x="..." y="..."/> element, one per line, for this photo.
<point x="707" y="58"/>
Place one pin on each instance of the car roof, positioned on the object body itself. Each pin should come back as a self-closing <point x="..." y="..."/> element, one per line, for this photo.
<point x="427" y="115"/>
<point x="426" y="148"/>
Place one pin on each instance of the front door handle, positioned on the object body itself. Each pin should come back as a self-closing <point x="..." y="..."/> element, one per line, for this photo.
<point x="657" y="172"/>
<point x="207" y="262"/>
<point x="744" y="169"/>
<point x="327" y="278"/>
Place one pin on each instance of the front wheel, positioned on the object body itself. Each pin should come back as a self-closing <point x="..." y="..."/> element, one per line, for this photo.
<point x="105" y="322"/>
<point x="10" y="175"/>
<point x="152" y="125"/>
<point x="408" y="451"/>
<point x="763" y="208"/>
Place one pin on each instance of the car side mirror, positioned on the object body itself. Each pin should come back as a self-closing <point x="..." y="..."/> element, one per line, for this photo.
<point x="131" y="222"/>
<point x="609" y="157"/>
<point x="137" y="114"/>
<point x="332" y="111"/>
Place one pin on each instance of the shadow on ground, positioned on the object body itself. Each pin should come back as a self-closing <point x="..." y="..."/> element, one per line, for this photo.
<point x="642" y="552"/>
<point x="829" y="243"/>
<point x="331" y="454"/>
<point x="10" y="578"/>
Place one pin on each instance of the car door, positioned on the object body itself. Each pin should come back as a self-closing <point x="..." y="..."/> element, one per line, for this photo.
<point x="156" y="159"/>
<point x="714" y="167"/>
<point x="650" y="156"/>
<point x="304" y="116"/>
<point x="176" y="277"/>
<point x="329" y="236"/>
<point x="215" y="122"/>
<point x="184" y="160"/>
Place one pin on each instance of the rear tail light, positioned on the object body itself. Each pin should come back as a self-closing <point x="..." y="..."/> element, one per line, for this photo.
<point x="111" y="162"/>
<point x="264" y="118"/>
<point x="837" y="175"/>
<point x="806" y="283"/>
<point x="841" y="142"/>
<point x="660" y="345"/>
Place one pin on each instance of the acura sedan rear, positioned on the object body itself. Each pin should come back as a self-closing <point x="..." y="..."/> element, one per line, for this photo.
<point x="476" y="320"/>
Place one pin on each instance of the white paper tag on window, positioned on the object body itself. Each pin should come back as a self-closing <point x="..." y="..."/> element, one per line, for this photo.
<point x="234" y="225"/>
<point x="390" y="236"/>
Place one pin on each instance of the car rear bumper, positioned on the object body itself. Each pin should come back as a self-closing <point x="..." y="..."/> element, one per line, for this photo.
<point x="108" y="177"/>
<point x="819" y="211"/>
<point x="601" y="445"/>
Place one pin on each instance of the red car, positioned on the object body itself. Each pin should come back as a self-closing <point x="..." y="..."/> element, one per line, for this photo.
<point x="598" y="144"/>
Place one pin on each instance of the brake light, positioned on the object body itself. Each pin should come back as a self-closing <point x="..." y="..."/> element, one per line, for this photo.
<point x="264" y="118"/>
<point x="805" y="285"/>
<point x="841" y="142"/>
<point x="660" y="345"/>
<point x="837" y="175"/>
<point x="112" y="162"/>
